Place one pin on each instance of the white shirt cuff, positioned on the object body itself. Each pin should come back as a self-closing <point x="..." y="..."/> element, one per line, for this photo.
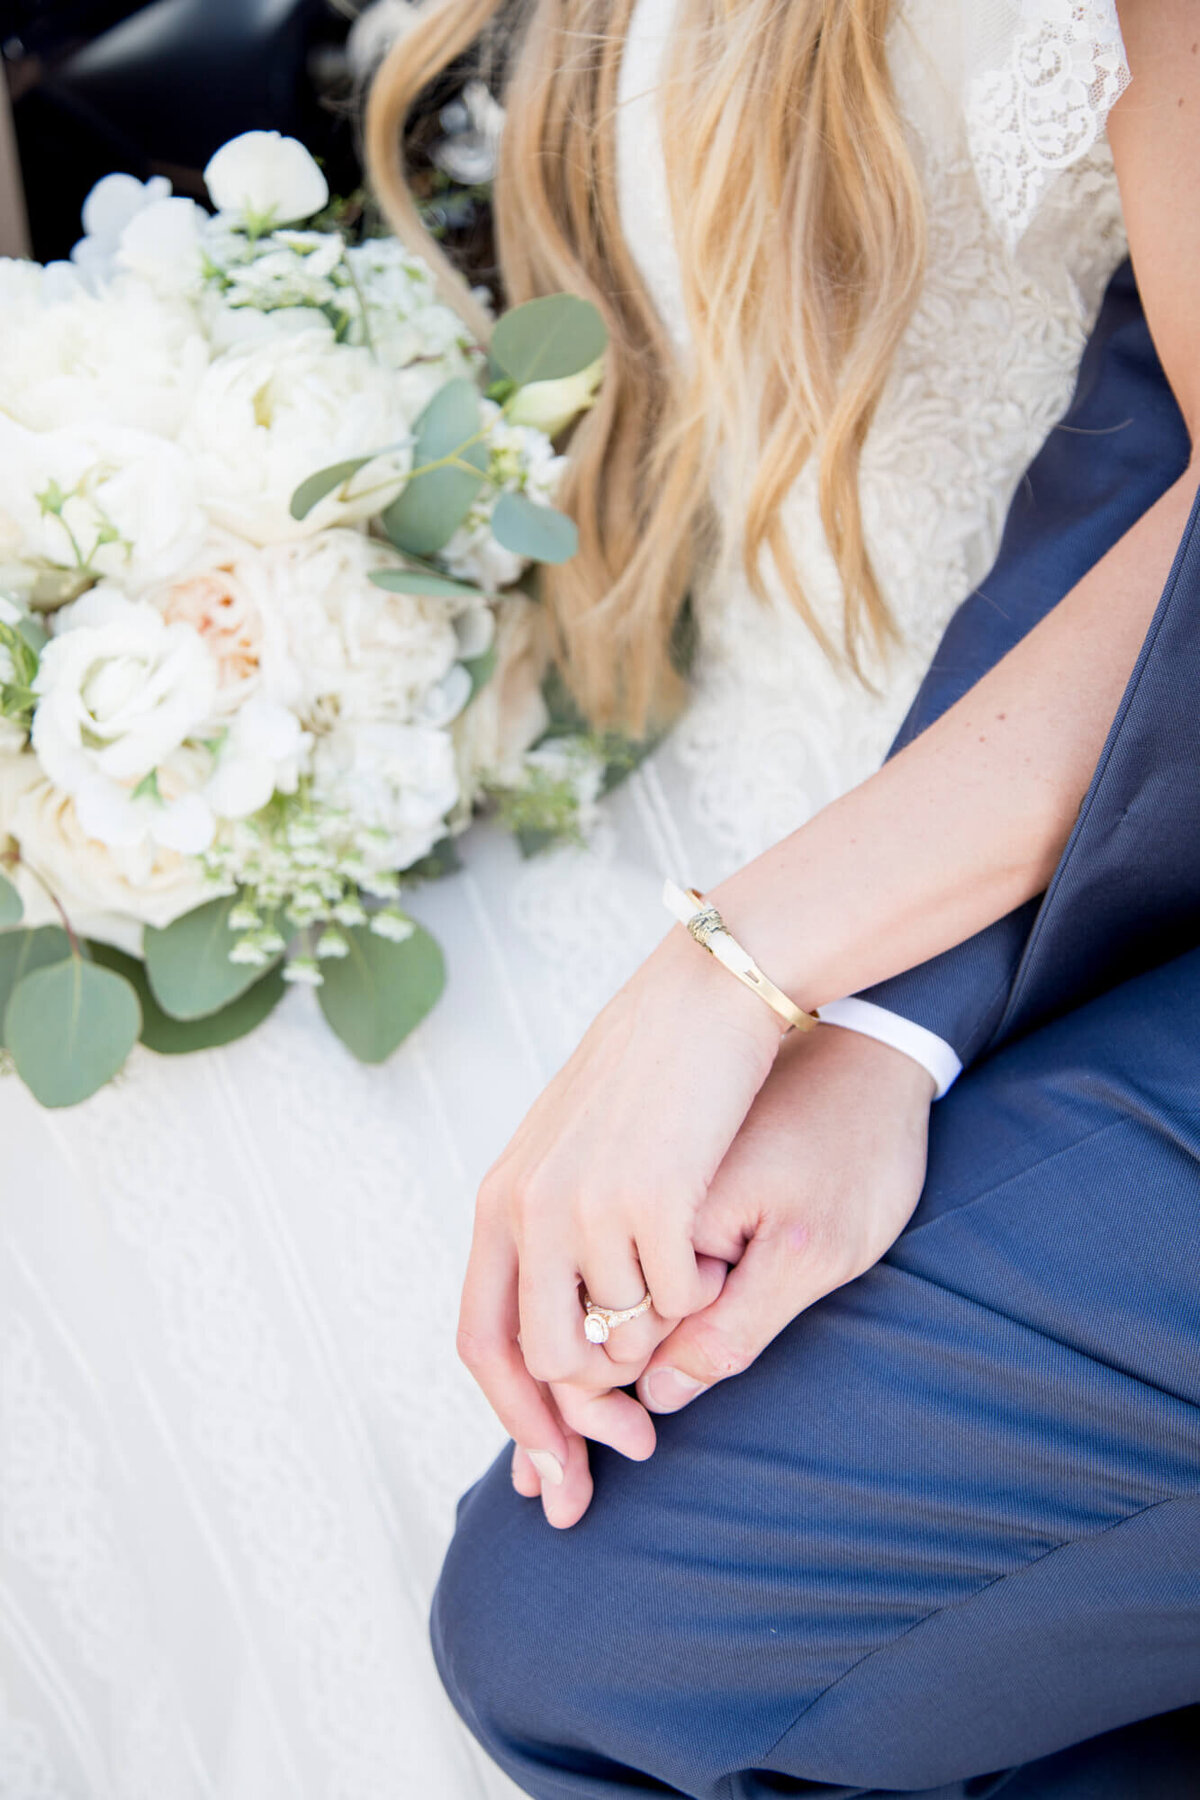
<point x="932" y="1052"/>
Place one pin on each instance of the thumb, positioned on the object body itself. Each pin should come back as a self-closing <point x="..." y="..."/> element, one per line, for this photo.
<point x="762" y="1293"/>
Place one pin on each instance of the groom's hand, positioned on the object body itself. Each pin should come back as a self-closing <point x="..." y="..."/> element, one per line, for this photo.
<point x="818" y="1184"/>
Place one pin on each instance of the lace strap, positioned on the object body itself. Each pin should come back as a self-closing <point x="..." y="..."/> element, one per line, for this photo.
<point x="1041" y="78"/>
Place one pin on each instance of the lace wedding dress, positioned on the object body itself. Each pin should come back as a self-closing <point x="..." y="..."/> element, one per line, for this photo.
<point x="232" y="1424"/>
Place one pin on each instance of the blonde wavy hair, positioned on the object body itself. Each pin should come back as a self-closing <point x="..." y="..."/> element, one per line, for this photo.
<point x="799" y="227"/>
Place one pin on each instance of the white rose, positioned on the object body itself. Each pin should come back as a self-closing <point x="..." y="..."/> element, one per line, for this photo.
<point x="112" y="204"/>
<point x="122" y="358"/>
<point x="125" y="502"/>
<point x="269" y="415"/>
<point x="335" y="646"/>
<point x="162" y="246"/>
<point x="107" y="893"/>
<point x="397" y="782"/>
<point x="120" y="692"/>
<point x="550" y="406"/>
<point x="266" y="180"/>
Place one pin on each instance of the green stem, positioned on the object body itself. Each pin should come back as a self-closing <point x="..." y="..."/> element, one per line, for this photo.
<point x="368" y="341"/>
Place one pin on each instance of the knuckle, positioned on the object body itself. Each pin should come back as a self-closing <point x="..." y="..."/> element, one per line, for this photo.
<point x="547" y="1369"/>
<point x="473" y="1349"/>
<point x="720" y="1353"/>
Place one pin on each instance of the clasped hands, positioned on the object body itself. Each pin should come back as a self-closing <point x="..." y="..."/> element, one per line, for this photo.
<point x="685" y="1149"/>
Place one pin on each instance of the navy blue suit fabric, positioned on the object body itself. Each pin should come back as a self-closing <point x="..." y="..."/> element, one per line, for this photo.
<point x="1118" y="448"/>
<point x="943" y="1538"/>
<point x="946" y="1527"/>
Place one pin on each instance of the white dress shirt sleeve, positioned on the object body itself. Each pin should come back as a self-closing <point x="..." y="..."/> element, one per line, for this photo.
<point x="932" y="1052"/>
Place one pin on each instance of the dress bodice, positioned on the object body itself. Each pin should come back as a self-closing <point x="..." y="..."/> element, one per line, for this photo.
<point x="1004" y="107"/>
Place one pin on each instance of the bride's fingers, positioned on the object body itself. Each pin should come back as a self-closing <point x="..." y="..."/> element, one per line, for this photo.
<point x="487" y="1344"/>
<point x="525" y="1477"/>
<point x="613" y="1279"/>
<point x="566" y="1504"/>
<point x="552" y="1340"/>
<point x="613" y="1418"/>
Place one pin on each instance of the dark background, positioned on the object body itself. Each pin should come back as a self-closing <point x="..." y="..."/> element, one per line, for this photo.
<point x="154" y="87"/>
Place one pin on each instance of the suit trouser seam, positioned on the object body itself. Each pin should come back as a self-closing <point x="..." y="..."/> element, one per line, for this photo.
<point x="968" y="1600"/>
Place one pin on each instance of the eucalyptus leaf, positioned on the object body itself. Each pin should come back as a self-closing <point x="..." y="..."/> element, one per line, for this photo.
<point x="21" y="952"/>
<point x="547" y="339"/>
<point x="419" y="581"/>
<point x="12" y="907"/>
<point x="311" y="492"/>
<point x="541" y="533"/>
<point x="69" y="1028"/>
<point x="374" y="997"/>
<point x="480" y="669"/>
<point x="33" y="634"/>
<point x="443" y="859"/>
<point x="432" y="506"/>
<point x="179" y="1037"/>
<point x="188" y="966"/>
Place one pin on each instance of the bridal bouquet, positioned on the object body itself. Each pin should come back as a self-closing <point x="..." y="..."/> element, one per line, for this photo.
<point x="263" y="507"/>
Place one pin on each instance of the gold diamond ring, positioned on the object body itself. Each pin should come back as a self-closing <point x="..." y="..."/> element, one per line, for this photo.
<point x="600" y="1320"/>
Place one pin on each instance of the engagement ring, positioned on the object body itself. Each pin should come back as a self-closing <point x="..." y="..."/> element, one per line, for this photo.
<point x="600" y="1320"/>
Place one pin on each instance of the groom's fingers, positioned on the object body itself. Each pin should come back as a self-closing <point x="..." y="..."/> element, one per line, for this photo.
<point x="488" y="1345"/>
<point x="762" y="1294"/>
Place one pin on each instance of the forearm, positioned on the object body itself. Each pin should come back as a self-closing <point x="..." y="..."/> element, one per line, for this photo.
<point x="971" y="819"/>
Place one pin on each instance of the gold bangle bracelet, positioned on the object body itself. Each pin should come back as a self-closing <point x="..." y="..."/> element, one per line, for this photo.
<point x="710" y="931"/>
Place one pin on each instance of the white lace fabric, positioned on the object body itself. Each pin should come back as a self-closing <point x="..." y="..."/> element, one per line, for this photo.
<point x="1041" y="79"/>
<point x="232" y="1425"/>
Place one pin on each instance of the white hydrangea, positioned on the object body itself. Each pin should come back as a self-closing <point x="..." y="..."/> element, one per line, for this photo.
<point x="397" y="783"/>
<point x="405" y="318"/>
<point x="520" y="458"/>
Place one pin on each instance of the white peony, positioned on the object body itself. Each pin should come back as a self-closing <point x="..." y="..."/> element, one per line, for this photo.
<point x="335" y="646"/>
<point x="398" y="783"/>
<point x="108" y="893"/>
<point x="123" y="358"/>
<point x="265" y="179"/>
<point x="109" y="500"/>
<point x="269" y="415"/>
<point x="213" y="598"/>
<point x="121" y="691"/>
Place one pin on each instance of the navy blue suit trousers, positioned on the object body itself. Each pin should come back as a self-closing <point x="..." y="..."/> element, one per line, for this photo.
<point x="943" y="1538"/>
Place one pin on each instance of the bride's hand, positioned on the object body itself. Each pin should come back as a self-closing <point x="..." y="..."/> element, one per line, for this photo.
<point x="600" y="1187"/>
<point x="817" y="1186"/>
<point x="814" y="1190"/>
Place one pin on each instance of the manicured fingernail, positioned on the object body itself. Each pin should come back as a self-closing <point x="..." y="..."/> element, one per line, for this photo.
<point x="669" y="1389"/>
<point x="547" y="1466"/>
